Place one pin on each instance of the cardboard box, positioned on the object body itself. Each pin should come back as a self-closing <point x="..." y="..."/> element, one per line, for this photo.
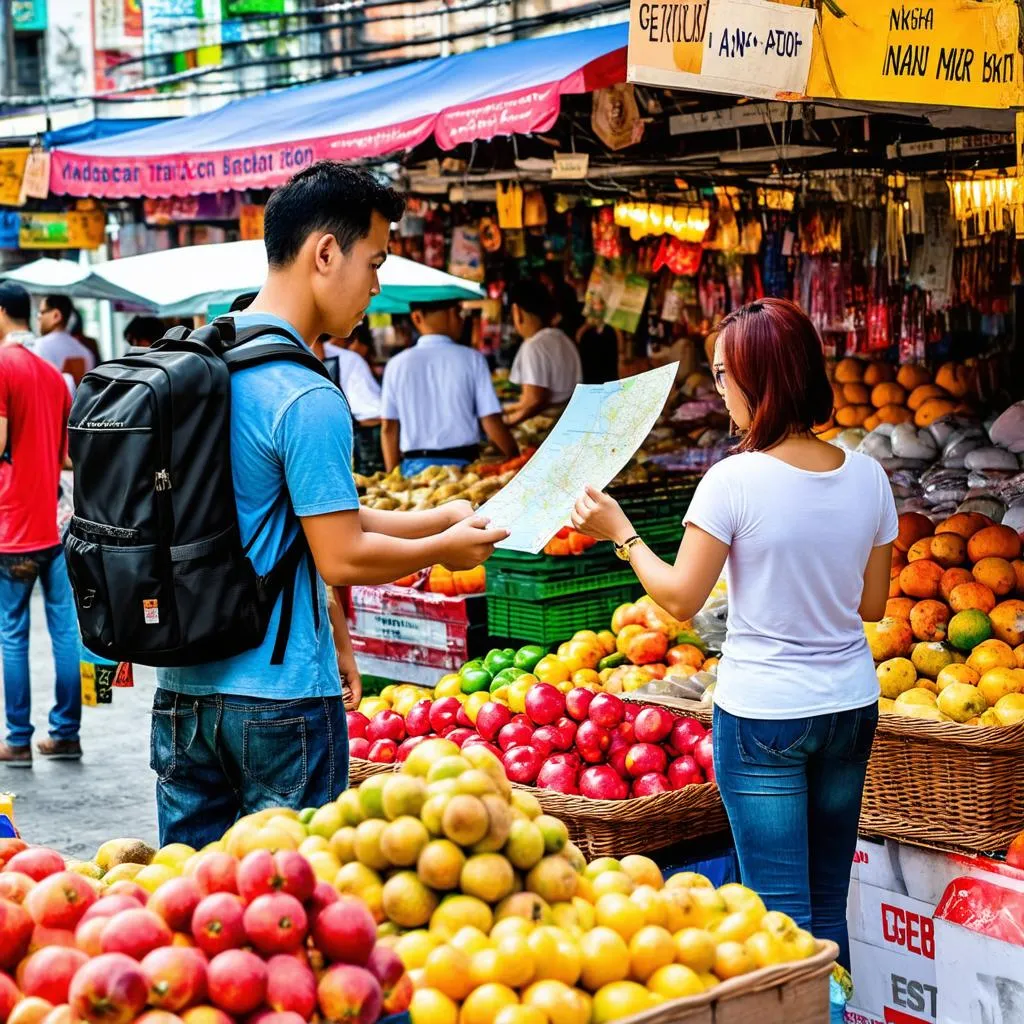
<point x="893" y="987"/>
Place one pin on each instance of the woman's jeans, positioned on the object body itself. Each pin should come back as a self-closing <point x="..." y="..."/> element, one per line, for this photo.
<point x="792" y="790"/>
<point x="18" y="576"/>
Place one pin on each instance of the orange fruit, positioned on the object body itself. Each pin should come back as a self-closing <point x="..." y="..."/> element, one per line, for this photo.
<point x="615" y="910"/>
<point x="1008" y="622"/>
<point x="972" y="597"/>
<point x="913" y="526"/>
<point x="948" y="549"/>
<point x="432" y="1007"/>
<point x="921" y="579"/>
<point x="447" y="970"/>
<point x="996" y="573"/>
<point x="966" y="524"/>
<point x="994" y="542"/>
<point x="606" y="958"/>
<point x="991" y="654"/>
<point x="956" y="674"/>
<point x="555" y="955"/>
<point x="928" y="620"/>
<point x="483" y="1004"/>
<point x="899" y="607"/>
<point x="920" y="550"/>
<point x="954" y="577"/>
<point x="652" y="947"/>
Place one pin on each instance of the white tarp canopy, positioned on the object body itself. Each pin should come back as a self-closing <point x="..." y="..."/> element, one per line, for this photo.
<point x="179" y="282"/>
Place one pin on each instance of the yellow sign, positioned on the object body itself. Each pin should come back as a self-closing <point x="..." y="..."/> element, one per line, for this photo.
<point x="1019" y="122"/>
<point x="75" y="229"/>
<point x="12" y="170"/>
<point x="947" y="52"/>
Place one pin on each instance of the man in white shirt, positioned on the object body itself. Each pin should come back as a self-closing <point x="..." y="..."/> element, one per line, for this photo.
<point x="55" y="344"/>
<point x="436" y="397"/>
<point x="547" y="366"/>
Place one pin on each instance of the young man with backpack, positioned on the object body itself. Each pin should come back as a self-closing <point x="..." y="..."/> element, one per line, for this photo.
<point x="248" y="713"/>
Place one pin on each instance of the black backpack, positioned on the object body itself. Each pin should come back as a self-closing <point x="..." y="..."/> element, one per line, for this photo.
<point x="158" y="566"/>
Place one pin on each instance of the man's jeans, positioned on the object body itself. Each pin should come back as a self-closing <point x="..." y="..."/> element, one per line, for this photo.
<point x="220" y="757"/>
<point x="18" y="575"/>
<point x="792" y="790"/>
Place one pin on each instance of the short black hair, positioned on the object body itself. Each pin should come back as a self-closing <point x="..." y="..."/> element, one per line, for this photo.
<point x="330" y="197"/>
<point x="62" y="304"/>
<point x="243" y="301"/>
<point x="145" y="329"/>
<point x="15" y="301"/>
<point x="533" y="298"/>
<point x="434" y="307"/>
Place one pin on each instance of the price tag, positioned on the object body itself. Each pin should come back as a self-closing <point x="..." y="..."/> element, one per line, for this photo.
<point x="570" y="166"/>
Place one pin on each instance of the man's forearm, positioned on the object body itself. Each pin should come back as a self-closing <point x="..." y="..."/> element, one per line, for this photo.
<point x="408" y="525"/>
<point x="376" y="558"/>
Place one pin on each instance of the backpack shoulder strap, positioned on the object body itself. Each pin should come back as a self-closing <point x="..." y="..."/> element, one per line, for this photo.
<point x="293" y="351"/>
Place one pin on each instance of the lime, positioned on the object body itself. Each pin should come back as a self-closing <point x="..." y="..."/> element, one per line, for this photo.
<point x="968" y="629"/>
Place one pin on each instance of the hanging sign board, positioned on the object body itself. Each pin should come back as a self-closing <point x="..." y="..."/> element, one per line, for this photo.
<point x="739" y="47"/>
<point x="75" y="229"/>
<point x="12" y="170"/>
<point x="942" y="53"/>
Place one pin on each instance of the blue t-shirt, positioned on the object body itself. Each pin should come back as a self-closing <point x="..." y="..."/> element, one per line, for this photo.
<point x="291" y="444"/>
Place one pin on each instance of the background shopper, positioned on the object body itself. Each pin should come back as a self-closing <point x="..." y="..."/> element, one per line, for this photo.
<point x="804" y="530"/>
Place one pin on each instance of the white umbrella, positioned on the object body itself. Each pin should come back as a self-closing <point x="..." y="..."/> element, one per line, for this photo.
<point x="47" y="276"/>
<point x="176" y="282"/>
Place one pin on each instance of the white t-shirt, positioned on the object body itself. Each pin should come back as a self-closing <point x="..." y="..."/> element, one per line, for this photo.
<point x="438" y="391"/>
<point x="550" y="359"/>
<point x="357" y="382"/>
<point x="58" y="346"/>
<point x="799" y="543"/>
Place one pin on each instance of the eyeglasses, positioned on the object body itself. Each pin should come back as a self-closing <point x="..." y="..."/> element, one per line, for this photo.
<point x="719" y="375"/>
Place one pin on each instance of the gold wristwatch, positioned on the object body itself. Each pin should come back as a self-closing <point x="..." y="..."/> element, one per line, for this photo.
<point x="623" y="549"/>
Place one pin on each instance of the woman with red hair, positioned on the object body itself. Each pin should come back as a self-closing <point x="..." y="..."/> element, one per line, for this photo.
<point x="804" y="530"/>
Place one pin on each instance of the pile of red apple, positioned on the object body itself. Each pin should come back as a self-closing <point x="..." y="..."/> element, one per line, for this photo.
<point x="583" y="743"/>
<point x="259" y="940"/>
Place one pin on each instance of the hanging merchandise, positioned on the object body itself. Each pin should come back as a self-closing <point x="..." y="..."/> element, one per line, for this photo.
<point x="510" y="205"/>
<point x="434" y="241"/>
<point x="535" y="210"/>
<point x="677" y="297"/>
<point x="490" y="234"/>
<point x="595" y="301"/>
<point x="626" y="302"/>
<point x="467" y="258"/>
<point x="615" y="116"/>
<point x="607" y="237"/>
<point x="515" y="243"/>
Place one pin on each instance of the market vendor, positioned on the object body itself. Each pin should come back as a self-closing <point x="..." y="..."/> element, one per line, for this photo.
<point x="437" y="396"/>
<point x="362" y="392"/>
<point x="547" y="366"/>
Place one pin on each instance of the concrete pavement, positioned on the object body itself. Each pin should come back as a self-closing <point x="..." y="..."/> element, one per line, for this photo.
<point x="75" y="806"/>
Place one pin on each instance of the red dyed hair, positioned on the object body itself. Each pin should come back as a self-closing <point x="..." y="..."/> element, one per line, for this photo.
<point x="775" y="358"/>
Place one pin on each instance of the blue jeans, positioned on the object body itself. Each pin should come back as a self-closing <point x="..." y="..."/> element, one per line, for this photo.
<point x="792" y="790"/>
<point x="218" y="758"/>
<point x="410" y="467"/>
<point x="18" y="575"/>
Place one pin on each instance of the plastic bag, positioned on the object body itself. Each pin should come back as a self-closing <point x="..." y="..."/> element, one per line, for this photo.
<point x="709" y="622"/>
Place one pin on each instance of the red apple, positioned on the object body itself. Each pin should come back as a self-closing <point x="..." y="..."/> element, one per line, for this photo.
<point x="37" y="862"/>
<point x="617" y="759"/>
<point x="60" y="900"/>
<point x="684" y="771"/>
<point x="444" y="714"/>
<point x="176" y="901"/>
<point x="88" y="935"/>
<point x="631" y="711"/>
<point x="275" y="923"/>
<point x="273" y="1017"/>
<point x="217" y="923"/>
<point x="386" y="966"/>
<point x="291" y="986"/>
<point x="16" y="928"/>
<point x="359" y="747"/>
<point x="286" y="871"/>
<point x="237" y="981"/>
<point x="491" y="719"/>
<point x="9" y="847"/>
<point x="206" y="1015"/>
<point x="626" y="731"/>
<point x="459" y="735"/>
<point x="111" y="989"/>
<point x="593" y="740"/>
<point x="515" y="734"/>
<point x="645" y="758"/>
<point x="158" y="1017"/>
<point x="357" y="723"/>
<point x="566" y="757"/>
<point x="602" y="782"/>
<point x="383" y="751"/>
<point x="653" y="725"/>
<point x="650" y="784"/>
<point x="345" y="931"/>
<point x="544" y="704"/>
<point x="9" y="998"/>
<point x="478" y="741"/>
<point x="407" y="746"/>
<point x="296" y="874"/>
<point x="577" y="702"/>
<point x="709" y="772"/>
<point x="135" y="933"/>
<point x="417" y="722"/>
<point x="606" y="710"/>
<point x="556" y="737"/>
<point x="522" y="764"/>
<point x="48" y="972"/>
<point x="386" y="725"/>
<point x="324" y="894"/>
<point x="176" y="976"/>
<point x="108" y="906"/>
<point x="567" y="730"/>
<point x="704" y="753"/>
<point x="15" y="886"/>
<point x="560" y="777"/>
<point x="686" y="733"/>
<point x="544" y="742"/>
<point x="216" y="872"/>
<point x="129" y="888"/>
<point x="462" y="719"/>
<point x="351" y="994"/>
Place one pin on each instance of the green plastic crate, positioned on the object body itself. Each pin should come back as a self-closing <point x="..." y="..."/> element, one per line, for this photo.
<point x="599" y="558"/>
<point x="528" y="587"/>
<point x="555" y="620"/>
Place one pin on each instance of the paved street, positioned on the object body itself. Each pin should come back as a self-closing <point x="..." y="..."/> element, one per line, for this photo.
<point x="74" y="807"/>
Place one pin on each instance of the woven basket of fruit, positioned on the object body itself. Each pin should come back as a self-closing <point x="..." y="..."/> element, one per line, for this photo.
<point x="616" y="828"/>
<point x="359" y="768"/>
<point x="796" y="993"/>
<point x="941" y="782"/>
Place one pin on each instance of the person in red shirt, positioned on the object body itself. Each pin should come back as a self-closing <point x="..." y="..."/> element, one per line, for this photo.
<point x="34" y="407"/>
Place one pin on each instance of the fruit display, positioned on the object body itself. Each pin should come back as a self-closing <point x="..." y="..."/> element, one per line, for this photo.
<point x="579" y="743"/>
<point x="951" y="646"/>
<point x="568" y="542"/>
<point x="432" y="487"/>
<point x="439" y="580"/>
<point x="210" y="939"/>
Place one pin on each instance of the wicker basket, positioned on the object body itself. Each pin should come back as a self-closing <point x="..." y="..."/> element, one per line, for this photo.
<point x="939" y="782"/>
<point x="788" y="994"/>
<point x="704" y="713"/>
<point x="359" y="769"/>
<point x="615" y="828"/>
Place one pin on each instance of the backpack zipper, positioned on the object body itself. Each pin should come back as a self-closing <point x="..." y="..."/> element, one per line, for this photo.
<point x="162" y="480"/>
